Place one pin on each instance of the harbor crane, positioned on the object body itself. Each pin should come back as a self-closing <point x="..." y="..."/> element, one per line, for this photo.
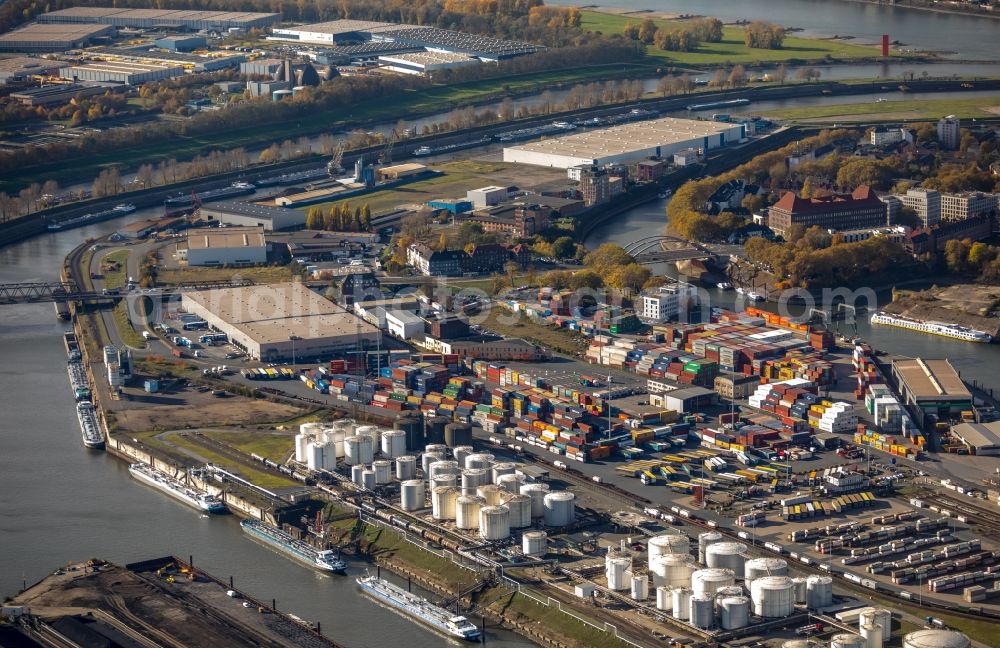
<point x="385" y="157"/>
<point x="333" y="167"/>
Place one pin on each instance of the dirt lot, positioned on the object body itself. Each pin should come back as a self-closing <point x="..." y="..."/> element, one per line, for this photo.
<point x="966" y="304"/>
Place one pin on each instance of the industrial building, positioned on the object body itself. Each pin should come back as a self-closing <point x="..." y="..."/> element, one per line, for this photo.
<point x="281" y="321"/>
<point x="931" y="388"/>
<point x="190" y="62"/>
<point x="271" y="219"/>
<point x="684" y="400"/>
<point x="332" y="32"/>
<point x="425" y="62"/>
<point x="625" y="143"/>
<point x="856" y="210"/>
<point x="51" y="38"/>
<point x="57" y="94"/>
<point x="181" y="43"/>
<point x="123" y="72"/>
<point x="161" y="18"/>
<point x="216" y="246"/>
<point x="980" y="438"/>
<point x="404" y="325"/>
<point x="20" y="68"/>
<point x="486" y="196"/>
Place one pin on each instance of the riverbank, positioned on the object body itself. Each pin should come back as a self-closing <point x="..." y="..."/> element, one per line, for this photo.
<point x="933" y="6"/>
<point x="971" y="305"/>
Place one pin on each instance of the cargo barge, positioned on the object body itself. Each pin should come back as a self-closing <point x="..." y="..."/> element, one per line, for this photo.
<point x="72" y="348"/>
<point x="96" y="217"/>
<point x="233" y="190"/>
<point x="78" y="381"/>
<point x="200" y="500"/>
<point x="324" y="560"/>
<point x="419" y="608"/>
<point x="429" y="150"/>
<point x="90" y="427"/>
<point x="292" y="178"/>
<point x="953" y="331"/>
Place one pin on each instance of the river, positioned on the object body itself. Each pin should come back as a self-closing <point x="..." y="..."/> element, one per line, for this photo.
<point x="61" y="502"/>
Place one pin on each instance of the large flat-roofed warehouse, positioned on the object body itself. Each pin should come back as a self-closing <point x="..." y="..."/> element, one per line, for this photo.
<point x="19" y="68"/>
<point x="931" y="387"/>
<point x="216" y="246"/>
<point x="271" y="322"/>
<point x="51" y="38"/>
<point x="124" y="72"/>
<point x="331" y="32"/>
<point x="980" y="438"/>
<point x="57" y="94"/>
<point x="272" y="219"/>
<point x="153" y="18"/>
<point x="425" y="62"/>
<point x="190" y="62"/>
<point x="625" y="143"/>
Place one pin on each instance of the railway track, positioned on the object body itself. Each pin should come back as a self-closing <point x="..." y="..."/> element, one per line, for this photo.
<point x="975" y="516"/>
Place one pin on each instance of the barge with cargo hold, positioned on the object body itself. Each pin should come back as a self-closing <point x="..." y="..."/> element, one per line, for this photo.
<point x="90" y="427"/>
<point x="233" y="190"/>
<point x="419" y="608"/>
<point x="95" y="217"/>
<point x="324" y="560"/>
<point x="200" y="500"/>
<point x="78" y="381"/>
<point x="953" y="331"/>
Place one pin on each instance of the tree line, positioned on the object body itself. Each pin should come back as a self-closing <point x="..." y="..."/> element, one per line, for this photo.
<point x="682" y="38"/>
<point x="339" y="217"/>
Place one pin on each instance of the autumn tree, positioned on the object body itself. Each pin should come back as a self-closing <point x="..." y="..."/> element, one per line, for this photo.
<point x="606" y="258"/>
<point x="761" y="34"/>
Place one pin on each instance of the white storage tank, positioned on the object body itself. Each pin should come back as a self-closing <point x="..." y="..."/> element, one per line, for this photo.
<point x="702" y="610"/>
<point x="479" y="460"/>
<point x="302" y="441"/>
<point x="615" y="569"/>
<point x="443" y="502"/>
<point x="757" y="567"/>
<point x="536" y="491"/>
<point x="802" y="643"/>
<point x="877" y="616"/>
<point x="801" y="591"/>
<point x="520" y="510"/>
<point x="444" y="467"/>
<point x="560" y="509"/>
<point x="819" y="592"/>
<point x="773" y="596"/>
<point x="872" y="634"/>
<point x="727" y="592"/>
<point x="664" y="599"/>
<point x="437" y="448"/>
<point x="668" y="543"/>
<point x="357" y="474"/>
<point x="535" y="543"/>
<point x="320" y="456"/>
<point x="704" y="539"/>
<point x="734" y="612"/>
<point x="368" y="478"/>
<point x="406" y="468"/>
<point x="502" y="468"/>
<point x="511" y="483"/>
<point x="461" y="452"/>
<point x="672" y="570"/>
<point x="467" y="511"/>
<point x="708" y="581"/>
<point x="640" y="588"/>
<point x="311" y="429"/>
<point x="494" y="523"/>
<point x="383" y="471"/>
<point x="936" y="639"/>
<point x="473" y="478"/>
<point x="491" y="493"/>
<point x="427" y="459"/>
<point x="681" y="603"/>
<point x="444" y="480"/>
<point x="848" y="640"/>
<point x="411" y="495"/>
<point x="371" y="431"/>
<point x="358" y="450"/>
<point x="726" y="555"/>
<point x="393" y="444"/>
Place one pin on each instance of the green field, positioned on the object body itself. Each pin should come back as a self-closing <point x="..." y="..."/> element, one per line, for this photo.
<point x="731" y="49"/>
<point x="260" y="274"/>
<point x="915" y="110"/>
<point x="258" y="477"/>
<point x="275" y="446"/>
<point x="114" y="279"/>
<point x="519" y="605"/>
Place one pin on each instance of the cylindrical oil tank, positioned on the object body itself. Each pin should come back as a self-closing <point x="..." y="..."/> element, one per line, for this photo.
<point x="560" y="509"/>
<point x="702" y="610"/>
<point x="443" y="502"/>
<point x="459" y="453"/>
<point x="411" y="495"/>
<point x="371" y="431"/>
<point x="393" y="444"/>
<point x="383" y="471"/>
<point x="520" y="510"/>
<point x="358" y="450"/>
<point x="757" y="567"/>
<point x="467" y="512"/>
<point x="494" y="523"/>
<point x="447" y="479"/>
<point x="413" y="427"/>
<point x="802" y="643"/>
<point x="491" y="493"/>
<point x="801" y="591"/>
<point x="664" y="599"/>
<point x="535" y="543"/>
<point x="511" y="483"/>
<point x="708" y="581"/>
<point x="726" y="555"/>
<point x="406" y="467"/>
<point x="302" y="441"/>
<point x="640" y="587"/>
<point x="502" y="468"/>
<point x="434" y="429"/>
<point x="473" y="478"/>
<point x="734" y="612"/>
<point x="672" y="570"/>
<point x="357" y="474"/>
<point x="727" y="592"/>
<point x="668" y="543"/>
<point x="426" y="459"/>
<point x="479" y="460"/>
<point x="536" y="491"/>
<point x="615" y="570"/>
<point x="704" y="539"/>
<point x="872" y="634"/>
<point x="936" y="639"/>
<point x="773" y="596"/>
<point x="368" y="479"/>
<point x="877" y="616"/>
<point x="681" y="603"/>
<point x="444" y="467"/>
<point x="311" y="428"/>
<point x="848" y="640"/>
<point x="457" y="434"/>
<point x="819" y="592"/>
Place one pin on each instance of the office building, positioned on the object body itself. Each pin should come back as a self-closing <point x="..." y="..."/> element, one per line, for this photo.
<point x="925" y="202"/>
<point x="856" y="210"/>
<point x="595" y="186"/>
<point x="949" y="132"/>
<point x="966" y="205"/>
<point x="667" y="302"/>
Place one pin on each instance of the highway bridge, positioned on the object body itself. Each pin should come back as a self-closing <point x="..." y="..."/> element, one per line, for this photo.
<point x="40" y="293"/>
<point x="649" y="250"/>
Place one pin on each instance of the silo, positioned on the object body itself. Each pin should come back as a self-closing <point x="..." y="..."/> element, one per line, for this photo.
<point x="443" y="480"/>
<point x="457" y="434"/>
<point x="877" y="616"/>
<point x="640" y="587"/>
<point x="467" y="512"/>
<point x="427" y="459"/>
<point x="535" y="543"/>
<point x="704" y="539"/>
<point x="352" y="451"/>
<point x="757" y="567"/>
<point x="311" y="429"/>
<point x="368" y="478"/>
<point x="734" y="612"/>
<point x="491" y="493"/>
<point x="437" y="448"/>
<point x="443" y="502"/>
<point x="444" y="467"/>
<point x="502" y="468"/>
<point x="413" y="427"/>
<point x="681" y="603"/>
<point x="872" y="634"/>
<point x="672" y="570"/>
<point x="560" y="509"/>
<point x="406" y="467"/>
<point x="383" y="471"/>
<point x="357" y="474"/>
<point x="411" y="495"/>
<point x="511" y="483"/>
<point x="702" y="610"/>
<point x="473" y="478"/>
<point x="520" y="510"/>
<point x="819" y="592"/>
<point x="936" y="639"/>
<point x="494" y="523"/>
<point x="393" y="444"/>
<point x="773" y="596"/>
<point x="434" y="429"/>
<point x="726" y="555"/>
<point x="801" y="590"/>
<point x="302" y="441"/>
<point x="668" y="543"/>
<point x="479" y="460"/>
<point x="664" y="599"/>
<point x="536" y="492"/>
<point x="708" y="581"/>
<point x="615" y="570"/>
<point x="459" y="453"/>
<point x="848" y="640"/>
